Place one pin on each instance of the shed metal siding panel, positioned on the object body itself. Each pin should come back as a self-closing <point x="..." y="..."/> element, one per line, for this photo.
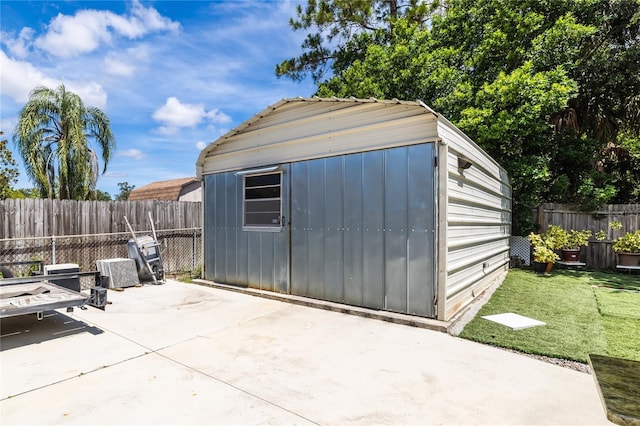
<point x="219" y="215"/>
<point x="362" y="229"/>
<point x="232" y="255"/>
<point x="478" y="220"/>
<point x="300" y="240"/>
<point x="373" y="225"/>
<point x="232" y="222"/>
<point x="353" y="237"/>
<point x="315" y="249"/>
<point x="334" y="230"/>
<point x="421" y="229"/>
<point x="320" y="129"/>
<point x="209" y="226"/>
<point x="395" y="229"/>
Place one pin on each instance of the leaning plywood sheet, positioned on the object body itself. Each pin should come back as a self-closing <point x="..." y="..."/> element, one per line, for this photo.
<point x="22" y="299"/>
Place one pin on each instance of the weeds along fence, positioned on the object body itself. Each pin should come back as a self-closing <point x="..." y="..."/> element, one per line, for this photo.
<point x="599" y="254"/>
<point x="82" y="232"/>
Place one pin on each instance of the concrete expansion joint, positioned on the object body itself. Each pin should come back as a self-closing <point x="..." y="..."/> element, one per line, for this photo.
<point x="238" y="388"/>
<point x="82" y="373"/>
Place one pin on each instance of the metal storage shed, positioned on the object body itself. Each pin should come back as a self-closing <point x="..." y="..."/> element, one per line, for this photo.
<point x="380" y="204"/>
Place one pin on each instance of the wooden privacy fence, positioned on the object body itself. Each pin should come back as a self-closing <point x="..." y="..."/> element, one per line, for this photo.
<point x="82" y="232"/>
<point x="599" y="254"/>
<point x="28" y="218"/>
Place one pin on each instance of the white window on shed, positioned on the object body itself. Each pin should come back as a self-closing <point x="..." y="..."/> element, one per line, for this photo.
<point x="262" y="203"/>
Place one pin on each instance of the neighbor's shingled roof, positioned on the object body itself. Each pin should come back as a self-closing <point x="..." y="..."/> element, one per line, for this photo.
<point x="161" y="190"/>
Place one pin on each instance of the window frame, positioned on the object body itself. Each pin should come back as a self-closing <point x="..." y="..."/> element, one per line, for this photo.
<point x="262" y="228"/>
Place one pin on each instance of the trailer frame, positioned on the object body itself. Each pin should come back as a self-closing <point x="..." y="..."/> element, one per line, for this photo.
<point x="38" y="293"/>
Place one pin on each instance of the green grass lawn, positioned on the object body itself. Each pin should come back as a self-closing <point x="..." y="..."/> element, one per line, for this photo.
<point x="586" y="313"/>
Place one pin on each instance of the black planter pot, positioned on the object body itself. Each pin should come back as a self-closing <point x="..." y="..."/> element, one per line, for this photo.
<point x="541" y="267"/>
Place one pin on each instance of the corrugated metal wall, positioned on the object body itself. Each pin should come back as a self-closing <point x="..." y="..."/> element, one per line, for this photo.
<point x="362" y="229"/>
<point x="478" y="221"/>
<point x="231" y="255"/>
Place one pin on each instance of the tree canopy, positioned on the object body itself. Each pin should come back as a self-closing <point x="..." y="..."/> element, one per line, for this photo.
<point x="99" y="195"/>
<point x="54" y="135"/>
<point x="125" y="189"/>
<point x="340" y="31"/>
<point x="549" y="88"/>
<point x="25" y="193"/>
<point x="8" y="170"/>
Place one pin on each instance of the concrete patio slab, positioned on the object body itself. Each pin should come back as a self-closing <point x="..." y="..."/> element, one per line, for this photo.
<point x="147" y="390"/>
<point x="355" y="370"/>
<point x="157" y="316"/>
<point x="36" y="353"/>
<point x="188" y="354"/>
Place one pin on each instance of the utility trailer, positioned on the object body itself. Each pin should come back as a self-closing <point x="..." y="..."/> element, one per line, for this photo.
<point x="38" y="294"/>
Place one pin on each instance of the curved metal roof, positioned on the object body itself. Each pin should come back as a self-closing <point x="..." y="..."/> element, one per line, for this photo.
<point x="251" y="122"/>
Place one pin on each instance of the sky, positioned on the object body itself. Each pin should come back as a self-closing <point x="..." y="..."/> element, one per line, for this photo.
<point x="172" y="76"/>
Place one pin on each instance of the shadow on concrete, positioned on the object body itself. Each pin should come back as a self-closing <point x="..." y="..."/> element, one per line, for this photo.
<point x="26" y="330"/>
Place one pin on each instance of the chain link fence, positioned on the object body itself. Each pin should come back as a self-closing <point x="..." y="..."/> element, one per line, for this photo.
<point x="180" y="250"/>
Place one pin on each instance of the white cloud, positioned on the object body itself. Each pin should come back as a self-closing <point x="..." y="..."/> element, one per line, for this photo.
<point x="216" y="116"/>
<point x="91" y="93"/>
<point x="152" y="20"/>
<point x="19" y="46"/>
<point x="201" y="145"/>
<point x="174" y="115"/>
<point x="114" y="66"/>
<point x="124" y="63"/>
<point x="167" y="130"/>
<point x="70" y="36"/>
<point x="18" y="78"/>
<point x="134" y="153"/>
<point x="113" y="175"/>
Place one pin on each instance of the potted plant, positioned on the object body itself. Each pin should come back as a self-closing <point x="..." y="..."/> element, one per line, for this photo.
<point x="544" y="255"/>
<point x="568" y="242"/>
<point x="627" y="247"/>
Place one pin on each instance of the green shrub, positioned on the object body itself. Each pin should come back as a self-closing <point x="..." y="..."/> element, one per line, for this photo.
<point x="628" y="243"/>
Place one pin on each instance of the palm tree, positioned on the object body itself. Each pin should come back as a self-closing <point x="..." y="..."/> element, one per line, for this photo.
<point x="53" y="136"/>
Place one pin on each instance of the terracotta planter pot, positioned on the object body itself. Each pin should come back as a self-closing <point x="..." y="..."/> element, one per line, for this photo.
<point x="629" y="259"/>
<point x="570" y="255"/>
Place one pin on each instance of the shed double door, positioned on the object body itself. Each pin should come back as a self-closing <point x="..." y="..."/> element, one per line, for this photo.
<point x="362" y="229"/>
<point x="356" y="229"/>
